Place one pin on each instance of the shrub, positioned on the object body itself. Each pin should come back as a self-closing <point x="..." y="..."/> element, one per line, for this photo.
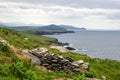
<point x="24" y="71"/>
<point x="5" y="50"/>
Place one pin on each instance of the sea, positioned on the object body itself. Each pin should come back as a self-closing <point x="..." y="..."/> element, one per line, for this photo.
<point x="99" y="44"/>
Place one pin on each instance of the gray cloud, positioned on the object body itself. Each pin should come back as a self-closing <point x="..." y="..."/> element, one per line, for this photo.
<point x="114" y="17"/>
<point x="75" y="3"/>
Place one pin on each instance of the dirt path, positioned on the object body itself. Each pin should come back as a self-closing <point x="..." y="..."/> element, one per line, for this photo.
<point x="25" y="54"/>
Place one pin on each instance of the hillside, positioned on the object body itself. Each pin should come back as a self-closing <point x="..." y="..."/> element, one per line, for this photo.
<point x="30" y="27"/>
<point x="47" y="29"/>
<point x="15" y="65"/>
<point x="51" y="27"/>
<point x="23" y="40"/>
<point x="43" y="30"/>
<point x="1" y="25"/>
<point x="72" y="27"/>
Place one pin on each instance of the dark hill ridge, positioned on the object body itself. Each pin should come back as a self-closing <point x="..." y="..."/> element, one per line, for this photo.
<point x="43" y="30"/>
<point x="47" y="29"/>
<point x="1" y="24"/>
<point x="41" y="27"/>
<point x="52" y="27"/>
<point x="23" y="26"/>
<point x="72" y="27"/>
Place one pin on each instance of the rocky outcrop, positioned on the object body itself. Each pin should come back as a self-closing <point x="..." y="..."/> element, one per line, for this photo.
<point x="70" y="48"/>
<point x="4" y="42"/>
<point x="57" y="62"/>
<point x="60" y="48"/>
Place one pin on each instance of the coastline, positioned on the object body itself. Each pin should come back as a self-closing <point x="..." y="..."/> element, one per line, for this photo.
<point x="65" y="45"/>
<point x="50" y="32"/>
<point x="93" y="43"/>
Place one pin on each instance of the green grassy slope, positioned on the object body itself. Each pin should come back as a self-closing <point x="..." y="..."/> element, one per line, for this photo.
<point x="19" y="40"/>
<point x="14" y="68"/>
<point x="35" y="37"/>
<point x="99" y="67"/>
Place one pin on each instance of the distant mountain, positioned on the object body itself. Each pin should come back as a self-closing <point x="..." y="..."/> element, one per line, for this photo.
<point x="71" y="27"/>
<point x="2" y="25"/>
<point x="52" y="27"/>
<point x="43" y="30"/>
<point x="46" y="29"/>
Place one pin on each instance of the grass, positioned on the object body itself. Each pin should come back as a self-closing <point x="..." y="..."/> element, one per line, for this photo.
<point x="35" y="37"/>
<point x="18" y="39"/>
<point x="15" y="68"/>
<point x="100" y="67"/>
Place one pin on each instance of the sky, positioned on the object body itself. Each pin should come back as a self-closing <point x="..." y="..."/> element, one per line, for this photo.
<point x="91" y="14"/>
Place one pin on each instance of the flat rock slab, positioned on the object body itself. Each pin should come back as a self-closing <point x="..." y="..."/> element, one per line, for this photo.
<point x="34" y="59"/>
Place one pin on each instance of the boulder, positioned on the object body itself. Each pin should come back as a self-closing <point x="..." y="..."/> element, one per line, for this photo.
<point x="79" y="62"/>
<point x="70" y="48"/>
<point x="4" y="42"/>
<point x="60" y="48"/>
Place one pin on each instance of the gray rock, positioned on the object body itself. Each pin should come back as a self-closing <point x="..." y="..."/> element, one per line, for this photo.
<point x="57" y="62"/>
<point x="76" y="70"/>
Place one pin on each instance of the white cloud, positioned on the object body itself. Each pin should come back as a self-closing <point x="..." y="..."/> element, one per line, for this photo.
<point x="95" y="18"/>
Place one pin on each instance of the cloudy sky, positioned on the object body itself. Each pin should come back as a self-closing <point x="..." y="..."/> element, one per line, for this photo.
<point x="92" y="14"/>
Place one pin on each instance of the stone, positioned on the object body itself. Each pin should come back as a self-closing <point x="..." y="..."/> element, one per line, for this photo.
<point x="25" y="38"/>
<point x="45" y="64"/>
<point x="70" y="48"/>
<point x="75" y="64"/>
<point x="61" y="57"/>
<point x="4" y="42"/>
<point x="79" y="62"/>
<point x="60" y="48"/>
<point x="37" y="62"/>
<point x="70" y="59"/>
<point x="85" y="65"/>
<point x="103" y="78"/>
<point x="56" y="62"/>
<point x="76" y="70"/>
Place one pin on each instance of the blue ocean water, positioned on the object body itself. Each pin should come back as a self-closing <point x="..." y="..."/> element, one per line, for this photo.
<point x="100" y="44"/>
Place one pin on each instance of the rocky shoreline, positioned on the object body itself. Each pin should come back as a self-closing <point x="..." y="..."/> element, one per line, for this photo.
<point x="50" y="32"/>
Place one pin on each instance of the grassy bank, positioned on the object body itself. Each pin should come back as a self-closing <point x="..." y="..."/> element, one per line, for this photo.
<point x="15" y="68"/>
<point x="99" y="67"/>
<point x="35" y="37"/>
<point x="24" y="40"/>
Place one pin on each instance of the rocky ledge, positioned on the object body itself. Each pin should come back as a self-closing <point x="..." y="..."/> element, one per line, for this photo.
<point x="56" y="62"/>
<point x="62" y="48"/>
